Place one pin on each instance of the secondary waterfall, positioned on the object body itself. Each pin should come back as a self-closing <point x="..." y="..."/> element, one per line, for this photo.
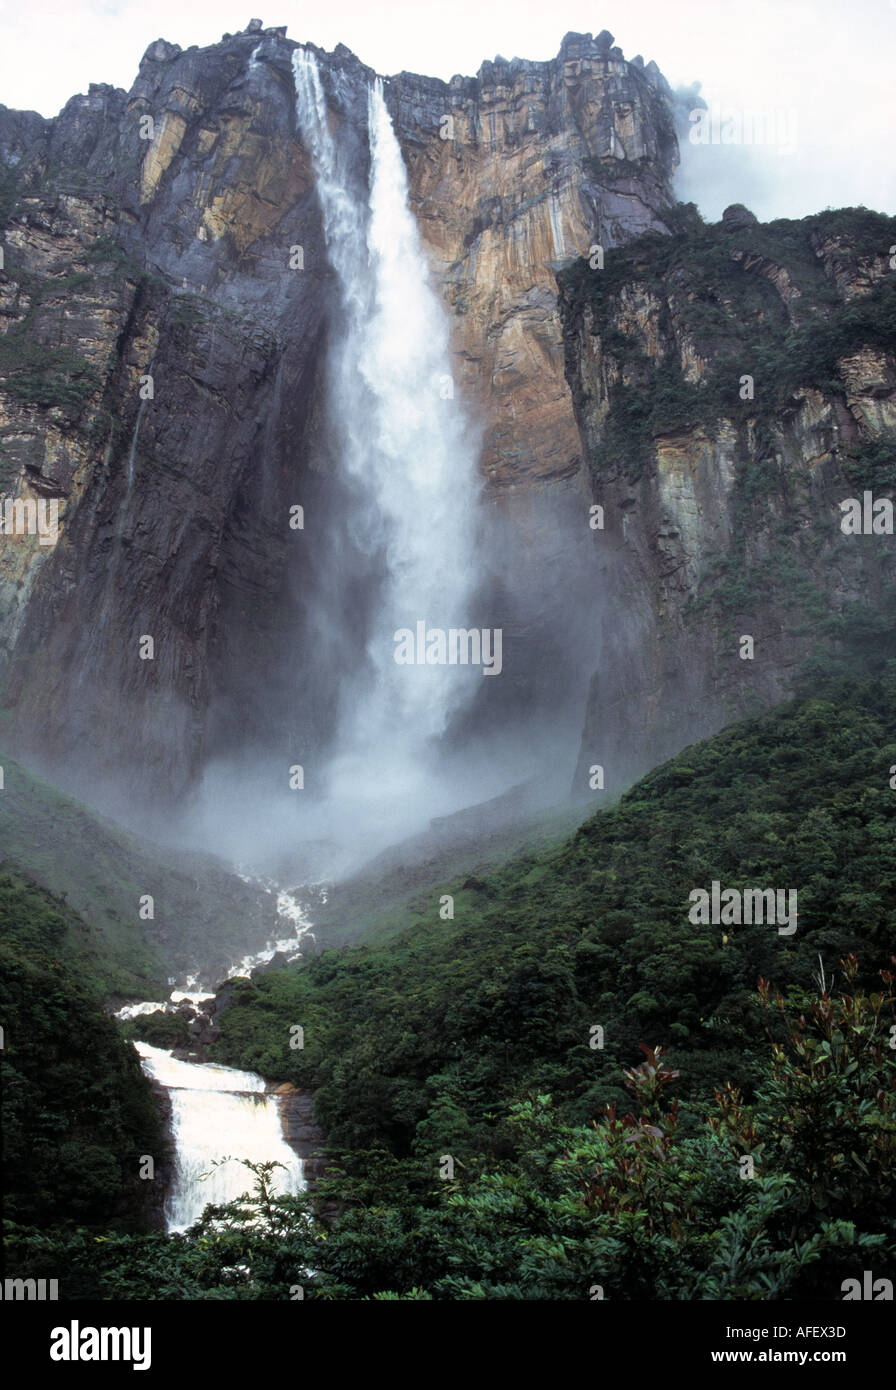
<point x="404" y="437"/>
<point x="218" y="1112"/>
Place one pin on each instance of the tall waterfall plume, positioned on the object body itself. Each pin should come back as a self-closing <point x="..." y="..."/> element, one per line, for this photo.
<point x="407" y="445"/>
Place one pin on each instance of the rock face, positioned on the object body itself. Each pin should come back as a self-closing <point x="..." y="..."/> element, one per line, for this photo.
<point x="534" y="163"/>
<point x="165" y="357"/>
<point x="733" y="386"/>
<point x="157" y="1191"/>
<point x="301" y="1131"/>
<point x="166" y="305"/>
<point x="163" y="258"/>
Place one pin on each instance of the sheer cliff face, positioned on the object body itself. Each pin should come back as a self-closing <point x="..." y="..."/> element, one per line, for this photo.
<point x="733" y="385"/>
<point x="539" y="162"/>
<point x="153" y="234"/>
<point x="166" y="258"/>
<point x="173" y="233"/>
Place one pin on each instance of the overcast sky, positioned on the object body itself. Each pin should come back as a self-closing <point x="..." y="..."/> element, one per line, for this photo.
<point x="822" y="68"/>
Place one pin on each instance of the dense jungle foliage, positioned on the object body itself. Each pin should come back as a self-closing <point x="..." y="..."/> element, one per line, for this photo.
<point x="77" y="1111"/>
<point x="787" y="1196"/>
<point x="729" y="1134"/>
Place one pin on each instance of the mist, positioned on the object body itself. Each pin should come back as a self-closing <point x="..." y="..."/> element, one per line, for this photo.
<point x="768" y="153"/>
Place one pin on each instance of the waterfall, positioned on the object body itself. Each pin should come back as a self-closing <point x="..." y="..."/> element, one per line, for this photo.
<point x="405" y="443"/>
<point x="218" y="1112"/>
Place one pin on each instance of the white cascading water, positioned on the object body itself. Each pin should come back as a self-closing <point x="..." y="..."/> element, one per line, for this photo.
<point x="405" y="440"/>
<point x="218" y="1113"/>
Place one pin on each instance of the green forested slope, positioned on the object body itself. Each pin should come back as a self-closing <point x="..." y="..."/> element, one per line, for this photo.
<point x="416" y="1044"/>
<point x="483" y="1149"/>
<point x="204" y="915"/>
<point x="77" y="1111"/>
